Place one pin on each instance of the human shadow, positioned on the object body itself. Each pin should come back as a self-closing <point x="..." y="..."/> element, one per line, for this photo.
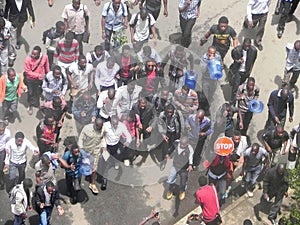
<point x="247" y="33"/>
<point x="24" y="42"/>
<point x="278" y="81"/>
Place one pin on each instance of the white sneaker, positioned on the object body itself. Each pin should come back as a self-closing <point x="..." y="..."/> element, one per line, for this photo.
<point x="117" y="167"/>
<point x="126" y="162"/>
<point x="250" y="194"/>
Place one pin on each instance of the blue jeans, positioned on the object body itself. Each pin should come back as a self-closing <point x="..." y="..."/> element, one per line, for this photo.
<point x="18" y="220"/>
<point x="46" y="215"/>
<point x="251" y="177"/>
<point x="108" y="34"/>
<point x="183" y="174"/>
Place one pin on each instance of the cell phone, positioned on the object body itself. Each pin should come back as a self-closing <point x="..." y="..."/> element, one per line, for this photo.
<point x="194" y="217"/>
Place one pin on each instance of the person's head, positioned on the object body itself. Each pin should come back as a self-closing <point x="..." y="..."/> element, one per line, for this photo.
<point x="284" y="93"/>
<point x="164" y="93"/>
<point x="56" y="102"/>
<point x="247" y="222"/>
<point x="147" y="51"/>
<point x="200" y="115"/>
<point x="36" y="52"/>
<point x="111" y="92"/>
<point x="49" y="120"/>
<point x="50" y="187"/>
<point x="236" y="137"/>
<point x="27" y="184"/>
<point x="11" y="74"/>
<point x="125" y="50"/>
<point x="223" y="23"/>
<point x="211" y="52"/>
<point x="98" y="124"/>
<point x="184" y="141"/>
<point x="150" y="64"/>
<point x="202" y="180"/>
<point x="45" y="160"/>
<point x="142" y="103"/>
<point x="116" y="4"/>
<point x="82" y="62"/>
<point x="297" y="45"/>
<point x="110" y="62"/>
<point x="2" y="127"/>
<point x="281" y="169"/>
<point x="279" y="130"/>
<point x="255" y="148"/>
<point x="75" y="149"/>
<point x="98" y="50"/>
<point x="114" y="121"/>
<point x="143" y="13"/>
<point x="185" y="90"/>
<point x="130" y="86"/>
<point x="2" y="23"/>
<point x="179" y="51"/>
<point x="131" y="117"/>
<point x="246" y="44"/>
<point x="57" y="72"/>
<point x="250" y="85"/>
<point x="76" y="4"/>
<point x="19" y="138"/>
<point x="69" y="38"/>
<point x="86" y="97"/>
<point x="227" y="108"/>
<point x="170" y="110"/>
<point x="60" y="27"/>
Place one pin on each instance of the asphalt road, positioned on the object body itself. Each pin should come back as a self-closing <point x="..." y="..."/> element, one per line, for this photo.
<point x="132" y="194"/>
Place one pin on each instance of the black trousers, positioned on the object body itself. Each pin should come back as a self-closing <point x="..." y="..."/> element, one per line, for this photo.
<point x="294" y="6"/>
<point x="34" y="92"/>
<point x="186" y="26"/>
<point x="247" y="117"/>
<point x="284" y="15"/>
<point x="2" y="158"/>
<point x="198" y="151"/>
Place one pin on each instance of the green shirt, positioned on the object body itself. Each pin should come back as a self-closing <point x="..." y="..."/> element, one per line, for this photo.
<point x="11" y="89"/>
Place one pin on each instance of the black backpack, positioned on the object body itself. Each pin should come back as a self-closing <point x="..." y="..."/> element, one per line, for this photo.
<point x="136" y="19"/>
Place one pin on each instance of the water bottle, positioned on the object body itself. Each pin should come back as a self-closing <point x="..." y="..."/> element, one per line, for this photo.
<point x="215" y="69"/>
<point x="255" y="106"/>
<point x="292" y="156"/>
<point x="87" y="165"/>
<point x="190" y="79"/>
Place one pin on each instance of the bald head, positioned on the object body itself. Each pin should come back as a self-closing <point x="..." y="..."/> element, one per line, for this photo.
<point x="200" y="114"/>
<point x="281" y="169"/>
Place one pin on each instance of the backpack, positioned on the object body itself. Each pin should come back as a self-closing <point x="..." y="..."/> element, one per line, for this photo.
<point x="136" y="19"/>
<point x="12" y="194"/>
<point x="48" y="33"/>
<point x="122" y="7"/>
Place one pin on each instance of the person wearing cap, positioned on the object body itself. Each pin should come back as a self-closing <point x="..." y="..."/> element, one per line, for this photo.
<point x="223" y="33"/>
<point x="246" y="92"/>
<point x="207" y="197"/>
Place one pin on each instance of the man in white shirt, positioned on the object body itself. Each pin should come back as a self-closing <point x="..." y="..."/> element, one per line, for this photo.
<point x="105" y="74"/>
<point x="4" y="138"/>
<point x="257" y="13"/>
<point x="16" y="158"/>
<point x="105" y="104"/>
<point x="140" y="25"/>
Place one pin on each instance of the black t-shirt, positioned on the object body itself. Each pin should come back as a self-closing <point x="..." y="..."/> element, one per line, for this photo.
<point x="222" y="37"/>
<point x="274" y="140"/>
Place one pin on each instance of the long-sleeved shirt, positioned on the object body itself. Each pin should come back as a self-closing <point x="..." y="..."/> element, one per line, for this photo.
<point x="4" y="138"/>
<point x="105" y="105"/>
<point x="112" y="136"/>
<point x="52" y="83"/>
<point x="66" y="54"/>
<point x="257" y="7"/>
<point x="36" y="68"/>
<point x="278" y="106"/>
<point x="17" y="154"/>
<point x="197" y="127"/>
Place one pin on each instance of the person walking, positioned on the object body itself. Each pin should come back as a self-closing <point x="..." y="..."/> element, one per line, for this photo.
<point x="36" y="66"/>
<point x="4" y="138"/>
<point x="257" y="14"/>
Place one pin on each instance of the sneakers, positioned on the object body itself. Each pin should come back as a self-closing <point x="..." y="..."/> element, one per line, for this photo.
<point x="279" y="33"/>
<point x="250" y="194"/>
<point x="117" y="167"/>
<point x="182" y="195"/>
<point x="169" y="195"/>
<point x="93" y="188"/>
<point x="163" y="165"/>
<point x="126" y="162"/>
<point x="30" y="111"/>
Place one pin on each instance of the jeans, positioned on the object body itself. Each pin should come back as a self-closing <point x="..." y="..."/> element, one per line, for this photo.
<point x="34" y="92"/>
<point x="186" y="26"/>
<point x="219" y="183"/>
<point x="108" y="34"/>
<point x="4" y="60"/>
<point x="9" y="108"/>
<point x="46" y="215"/>
<point x="251" y="177"/>
<point x="183" y="174"/>
<point x="19" y="220"/>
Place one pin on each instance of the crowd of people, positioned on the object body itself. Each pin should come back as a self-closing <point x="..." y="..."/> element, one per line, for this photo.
<point x="128" y="102"/>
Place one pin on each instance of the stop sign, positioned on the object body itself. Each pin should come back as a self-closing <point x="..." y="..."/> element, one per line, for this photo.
<point x="223" y="146"/>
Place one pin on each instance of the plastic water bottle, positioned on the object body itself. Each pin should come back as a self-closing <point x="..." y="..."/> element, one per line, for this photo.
<point x="255" y="106"/>
<point x="292" y="158"/>
<point x="215" y="69"/>
<point x="191" y="79"/>
<point x="87" y="165"/>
